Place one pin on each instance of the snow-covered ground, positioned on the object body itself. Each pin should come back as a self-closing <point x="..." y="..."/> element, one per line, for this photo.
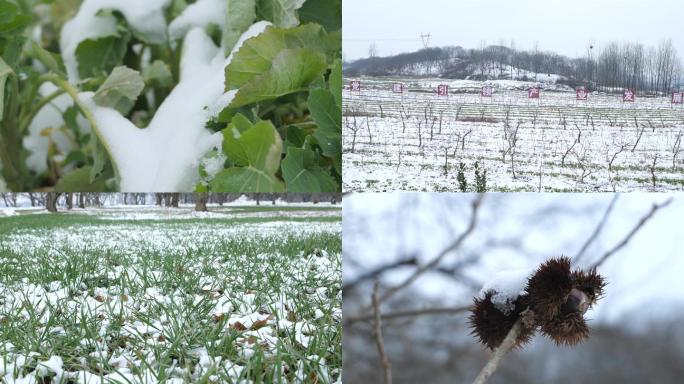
<point x="227" y="211"/>
<point x="85" y="300"/>
<point x="403" y="141"/>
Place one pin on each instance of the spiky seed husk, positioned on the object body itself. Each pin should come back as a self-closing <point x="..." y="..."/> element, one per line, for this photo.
<point x="589" y="282"/>
<point x="548" y="288"/>
<point x="566" y="329"/>
<point x="491" y="326"/>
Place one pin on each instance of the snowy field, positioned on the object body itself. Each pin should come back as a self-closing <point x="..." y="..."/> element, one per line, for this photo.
<point x="232" y="299"/>
<point x="226" y="211"/>
<point x="416" y="141"/>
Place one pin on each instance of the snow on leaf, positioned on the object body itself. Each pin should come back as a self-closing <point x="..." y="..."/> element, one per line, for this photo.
<point x="256" y="55"/>
<point x="145" y="17"/>
<point x="239" y="16"/>
<point x="282" y="13"/>
<point x="165" y="155"/>
<point x="199" y="14"/>
<point x="292" y="71"/>
<point x="120" y="90"/>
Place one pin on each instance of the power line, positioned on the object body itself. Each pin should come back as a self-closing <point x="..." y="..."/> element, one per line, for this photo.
<point x="426" y="40"/>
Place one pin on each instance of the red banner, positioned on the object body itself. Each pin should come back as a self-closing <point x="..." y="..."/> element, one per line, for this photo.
<point x="582" y="93"/>
<point x="677" y="98"/>
<point x="442" y="90"/>
<point x="397" y="88"/>
<point x="355" y="86"/>
<point x="628" y="95"/>
<point x="533" y="93"/>
<point x="486" y="91"/>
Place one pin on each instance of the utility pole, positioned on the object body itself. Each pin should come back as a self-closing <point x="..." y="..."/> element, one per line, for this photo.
<point x="426" y="40"/>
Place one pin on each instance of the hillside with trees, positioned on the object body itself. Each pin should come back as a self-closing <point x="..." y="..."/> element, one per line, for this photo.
<point x="648" y="69"/>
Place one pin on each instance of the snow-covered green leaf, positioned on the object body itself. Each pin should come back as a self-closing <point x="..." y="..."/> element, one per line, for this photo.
<point x="282" y="13"/>
<point x="292" y="71"/>
<point x="256" y="56"/>
<point x="120" y="90"/>
<point x="158" y="74"/>
<point x="97" y="57"/>
<point x="255" y="155"/>
<point x="240" y="15"/>
<point x="303" y="175"/>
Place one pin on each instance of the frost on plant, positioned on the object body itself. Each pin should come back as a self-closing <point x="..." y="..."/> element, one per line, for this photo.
<point x="132" y="95"/>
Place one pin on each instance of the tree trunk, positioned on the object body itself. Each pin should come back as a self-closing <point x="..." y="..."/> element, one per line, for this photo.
<point x="201" y="201"/>
<point x="51" y="201"/>
<point x="33" y="199"/>
<point x="81" y="200"/>
<point x="70" y="200"/>
<point x="172" y="199"/>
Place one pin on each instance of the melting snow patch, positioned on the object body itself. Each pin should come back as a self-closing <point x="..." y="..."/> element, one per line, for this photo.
<point x="508" y="285"/>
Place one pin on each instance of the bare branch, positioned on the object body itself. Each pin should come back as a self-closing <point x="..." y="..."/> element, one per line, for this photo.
<point x="597" y="230"/>
<point x="434" y="262"/>
<point x="378" y="336"/>
<point x="634" y="230"/>
<point x="409" y="313"/>
<point x="407" y="261"/>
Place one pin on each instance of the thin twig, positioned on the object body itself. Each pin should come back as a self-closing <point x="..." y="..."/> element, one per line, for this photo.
<point x="378" y="336"/>
<point x="410" y="313"/>
<point x="434" y="262"/>
<point x="634" y="230"/>
<point x="597" y="230"/>
<point x="407" y="261"/>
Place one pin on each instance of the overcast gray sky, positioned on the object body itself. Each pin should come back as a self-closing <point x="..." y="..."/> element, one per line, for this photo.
<point x="563" y="26"/>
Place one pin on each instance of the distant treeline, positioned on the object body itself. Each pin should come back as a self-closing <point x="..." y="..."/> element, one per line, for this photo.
<point x="614" y="65"/>
<point x="97" y="199"/>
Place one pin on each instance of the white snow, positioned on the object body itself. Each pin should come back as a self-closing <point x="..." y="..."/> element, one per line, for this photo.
<point x="508" y="285"/>
<point x="53" y="365"/>
<point x="45" y="129"/>
<point x="199" y="14"/>
<point x="146" y="17"/>
<point x="213" y="165"/>
<point x="165" y="155"/>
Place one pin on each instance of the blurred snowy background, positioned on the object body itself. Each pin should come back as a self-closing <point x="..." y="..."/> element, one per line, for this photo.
<point x="636" y="328"/>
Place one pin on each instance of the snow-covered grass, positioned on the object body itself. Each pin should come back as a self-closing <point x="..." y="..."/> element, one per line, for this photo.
<point x="84" y="299"/>
<point x="416" y="141"/>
